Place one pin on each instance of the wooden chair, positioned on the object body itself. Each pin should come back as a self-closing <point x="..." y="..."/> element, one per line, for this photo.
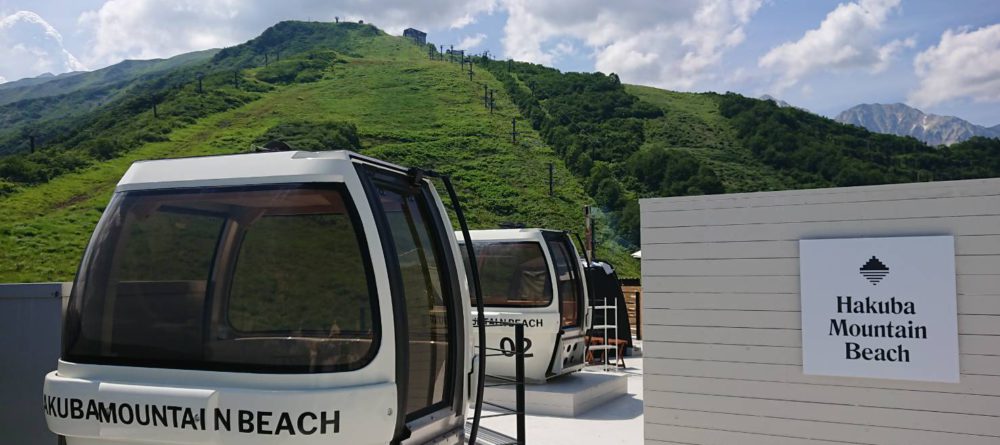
<point x="619" y="346"/>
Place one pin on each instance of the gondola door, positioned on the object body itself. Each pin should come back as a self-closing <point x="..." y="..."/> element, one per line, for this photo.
<point x="570" y="348"/>
<point x="569" y="283"/>
<point x="426" y="300"/>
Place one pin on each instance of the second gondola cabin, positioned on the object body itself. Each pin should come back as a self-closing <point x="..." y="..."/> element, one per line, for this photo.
<point x="534" y="277"/>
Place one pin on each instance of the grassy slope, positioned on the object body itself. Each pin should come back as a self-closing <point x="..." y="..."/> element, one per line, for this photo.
<point x="692" y="123"/>
<point x="407" y="109"/>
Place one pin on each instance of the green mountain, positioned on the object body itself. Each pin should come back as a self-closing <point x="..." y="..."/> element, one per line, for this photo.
<point x="114" y="78"/>
<point x="351" y="86"/>
<point x="332" y="85"/>
<point x="42" y="105"/>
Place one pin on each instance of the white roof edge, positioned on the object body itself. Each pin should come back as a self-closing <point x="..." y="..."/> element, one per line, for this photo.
<point x="236" y="169"/>
<point x="818" y="191"/>
<point x="507" y="234"/>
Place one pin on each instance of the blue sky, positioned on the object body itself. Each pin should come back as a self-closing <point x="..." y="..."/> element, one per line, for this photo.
<point x="943" y="57"/>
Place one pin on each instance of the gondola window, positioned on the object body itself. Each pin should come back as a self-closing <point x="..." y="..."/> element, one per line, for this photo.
<point x="262" y="279"/>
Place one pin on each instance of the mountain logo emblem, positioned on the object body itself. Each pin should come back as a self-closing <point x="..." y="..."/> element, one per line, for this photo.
<point x="874" y="271"/>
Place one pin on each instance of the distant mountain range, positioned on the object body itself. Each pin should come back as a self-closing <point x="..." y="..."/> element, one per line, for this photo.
<point x="778" y="102"/>
<point x="904" y="120"/>
<point x="115" y="77"/>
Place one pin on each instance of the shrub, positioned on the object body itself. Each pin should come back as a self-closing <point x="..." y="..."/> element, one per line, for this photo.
<point x="314" y="136"/>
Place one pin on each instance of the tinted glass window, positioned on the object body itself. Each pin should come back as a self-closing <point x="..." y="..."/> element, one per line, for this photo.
<point x="512" y="274"/>
<point x="291" y="268"/>
<point x="568" y="284"/>
<point x="169" y="244"/>
<point x="421" y="268"/>
<point x="261" y="279"/>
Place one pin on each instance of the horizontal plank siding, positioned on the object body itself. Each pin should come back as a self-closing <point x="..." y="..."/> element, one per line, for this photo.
<point x="959" y="225"/>
<point x="754" y="372"/>
<point x="967" y="324"/>
<point x="840" y="413"/>
<point x="788" y="338"/>
<point x="722" y="328"/>
<point x="896" y="192"/>
<point x="781" y="427"/>
<point x="969" y="265"/>
<point x="781" y="355"/>
<point x="694" y="249"/>
<point x="845" y="211"/>
<point x="784" y="284"/>
<point x="967" y="304"/>
<point x="838" y="395"/>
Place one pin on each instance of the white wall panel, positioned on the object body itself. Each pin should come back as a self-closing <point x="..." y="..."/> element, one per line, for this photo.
<point x="721" y="322"/>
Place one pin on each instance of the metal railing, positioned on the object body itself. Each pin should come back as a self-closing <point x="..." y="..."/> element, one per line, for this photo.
<point x="519" y="355"/>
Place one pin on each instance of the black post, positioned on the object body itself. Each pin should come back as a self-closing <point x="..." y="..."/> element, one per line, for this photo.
<point x="638" y="315"/>
<point x="236" y="79"/>
<point x="31" y="138"/>
<point x="551" y="185"/>
<point x="486" y="96"/>
<point x="155" y="114"/>
<point x="470" y="74"/>
<point x="265" y="59"/>
<point x="588" y="229"/>
<point x="492" y="103"/>
<point x="519" y="376"/>
<point x="513" y="130"/>
<point x="593" y="239"/>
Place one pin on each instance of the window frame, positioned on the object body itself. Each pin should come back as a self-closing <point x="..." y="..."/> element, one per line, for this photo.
<point x="218" y="283"/>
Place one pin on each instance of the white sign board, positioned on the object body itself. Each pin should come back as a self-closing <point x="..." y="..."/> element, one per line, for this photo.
<point x="880" y="308"/>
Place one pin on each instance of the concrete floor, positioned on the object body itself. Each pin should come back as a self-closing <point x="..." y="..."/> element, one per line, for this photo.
<point x="617" y="422"/>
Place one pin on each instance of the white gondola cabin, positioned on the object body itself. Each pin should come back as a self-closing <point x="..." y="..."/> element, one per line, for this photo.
<point x="534" y="277"/>
<point x="291" y="297"/>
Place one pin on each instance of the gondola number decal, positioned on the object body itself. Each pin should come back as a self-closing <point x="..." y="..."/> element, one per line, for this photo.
<point x="507" y="346"/>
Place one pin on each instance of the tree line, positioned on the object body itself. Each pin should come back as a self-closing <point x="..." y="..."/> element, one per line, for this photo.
<point x="599" y="130"/>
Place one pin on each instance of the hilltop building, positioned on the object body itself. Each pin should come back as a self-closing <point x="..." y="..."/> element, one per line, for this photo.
<point x="419" y="37"/>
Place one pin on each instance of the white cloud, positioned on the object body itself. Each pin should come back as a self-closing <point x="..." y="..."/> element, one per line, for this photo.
<point x="161" y="28"/>
<point x="673" y="44"/>
<point x="470" y="42"/>
<point x="462" y="21"/>
<point x="29" y="46"/>
<point x="848" y="38"/>
<point x="562" y="49"/>
<point x="964" y="64"/>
